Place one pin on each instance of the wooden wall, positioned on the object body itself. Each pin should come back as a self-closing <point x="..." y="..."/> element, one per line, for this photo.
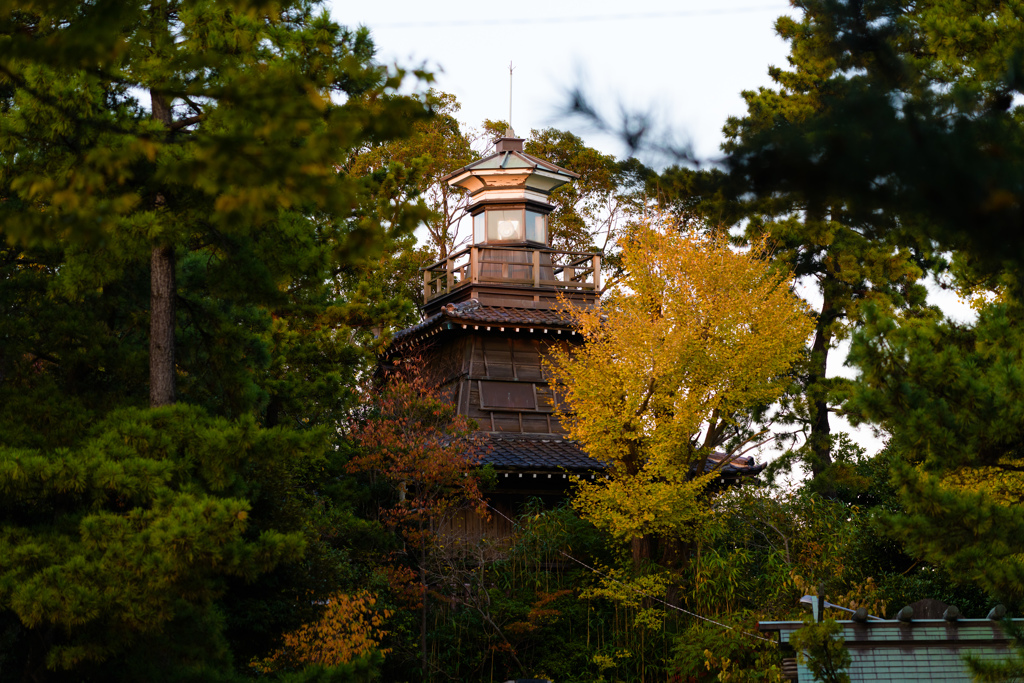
<point x="503" y="386"/>
<point x="467" y="526"/>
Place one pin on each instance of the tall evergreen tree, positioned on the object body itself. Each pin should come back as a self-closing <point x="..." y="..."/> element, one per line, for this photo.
<point x="921" y="123"/>
<point x="250" y="110"/>
<point x="924" y="128"/>
<point x="436" y="147"/>
<point x="176" y="229"/>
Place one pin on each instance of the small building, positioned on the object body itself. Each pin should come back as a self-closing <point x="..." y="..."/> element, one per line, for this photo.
<point x="896" y="651"/>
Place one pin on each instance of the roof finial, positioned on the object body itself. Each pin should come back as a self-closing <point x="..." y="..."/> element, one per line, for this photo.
<point x="510" y="133"/>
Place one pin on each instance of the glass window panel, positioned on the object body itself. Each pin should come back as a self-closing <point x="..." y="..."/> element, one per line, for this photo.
<point x="536" y="227"/>
<point x="478" y="228"/>
<point x="505" y="226"/>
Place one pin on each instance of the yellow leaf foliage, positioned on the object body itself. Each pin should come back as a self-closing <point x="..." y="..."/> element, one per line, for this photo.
<point x="349" y="628"/>
<point x="633" y="593"/>
<point x="1003" y="482"/>
<point x="695" y="332"/>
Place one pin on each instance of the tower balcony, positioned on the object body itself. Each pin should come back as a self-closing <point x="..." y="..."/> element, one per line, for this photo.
<point x="532" y="270"/>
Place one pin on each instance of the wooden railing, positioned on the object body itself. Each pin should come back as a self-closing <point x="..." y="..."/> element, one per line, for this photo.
<point x="562" y="270"/>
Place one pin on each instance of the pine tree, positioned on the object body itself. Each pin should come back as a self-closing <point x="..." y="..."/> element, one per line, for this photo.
<point x="922" y="137"/>
<point x="919" y="127"/>
<point x="234" y="154"/>
<point x="436" y="147"/>
<point x="177" y="228"/>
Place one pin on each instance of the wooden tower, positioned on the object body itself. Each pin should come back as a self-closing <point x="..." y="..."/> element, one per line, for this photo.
<point x="490" y="312"/>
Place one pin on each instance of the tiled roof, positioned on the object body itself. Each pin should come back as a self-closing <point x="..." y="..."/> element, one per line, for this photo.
<point x="472" y="313"/>
<point x="521" y="452"/>
<point x="536" y="453"/>
<point x="744" y="465"/>
<point x="508" y="315"/>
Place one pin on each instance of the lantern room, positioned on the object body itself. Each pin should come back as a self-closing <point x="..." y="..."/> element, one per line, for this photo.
<point x="510" y="260"/>
<point x="509" y="194"/>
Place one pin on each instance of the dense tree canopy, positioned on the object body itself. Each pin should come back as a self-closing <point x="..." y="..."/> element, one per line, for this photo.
<point x="851" y="260"/>
<point x="434" y="148"/>
<point x="207" y="214"/>
<point x="174" y="219"/>
<point x="920" y="138"/>
<point x="921" y="124"/>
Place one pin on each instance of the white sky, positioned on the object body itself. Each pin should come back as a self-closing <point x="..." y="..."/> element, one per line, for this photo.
<point x="686" y="61"/>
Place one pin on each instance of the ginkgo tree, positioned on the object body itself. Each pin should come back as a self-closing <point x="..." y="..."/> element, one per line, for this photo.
<point x="695" y="333"/>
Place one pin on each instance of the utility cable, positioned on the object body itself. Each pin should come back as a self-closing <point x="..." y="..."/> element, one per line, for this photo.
<point x="644" y="594"/>
<point x="521" y="21"/>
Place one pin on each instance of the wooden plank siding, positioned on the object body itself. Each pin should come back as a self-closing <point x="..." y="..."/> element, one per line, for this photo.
<point x="503" y="365"/>
<point x="467" y="526"/>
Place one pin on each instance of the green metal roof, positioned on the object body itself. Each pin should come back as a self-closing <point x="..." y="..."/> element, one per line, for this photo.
<point x="919" y="650"/>
<point x="511" y="160"/>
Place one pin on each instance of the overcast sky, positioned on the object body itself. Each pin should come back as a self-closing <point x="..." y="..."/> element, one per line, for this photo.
<point x="686" y="61"/>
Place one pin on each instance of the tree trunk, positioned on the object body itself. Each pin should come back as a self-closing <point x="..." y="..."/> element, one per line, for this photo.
<point x="641" y="548"/>
<point x="273" y="411"/>
<point x="161" y="296"/>
<point x="40" y="641"/>
<point x="423" y="610"/>
<point x="820" y="439"/>
<point x="161" y="327"/>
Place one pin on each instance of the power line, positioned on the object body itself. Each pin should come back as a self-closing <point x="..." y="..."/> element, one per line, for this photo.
<point x="532" y="21"/>
<point x="645" y="594"/>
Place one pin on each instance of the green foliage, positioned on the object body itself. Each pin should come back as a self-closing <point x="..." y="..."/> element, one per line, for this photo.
<point x="852" y="258"/>
<point x="765" y="548"/>
<point x="362" y="670"/>
<point x="709" y="652"/>
<point x="268" y="160"/>
<point x="249" y="93"/>
<point x="920" y="126"/>
<point x="141" y="523"/>
<point x="589" y="212"/>
<point x="820" y="651"/>
<point x="519" y="608"/>
<point x="912" y="142"/>
<point x="951" y="397"/>
<point x="886" y="142"/>
<point x="198" y="524"/>
<point x="227" y="178"/>
<point x="434" y="148"/>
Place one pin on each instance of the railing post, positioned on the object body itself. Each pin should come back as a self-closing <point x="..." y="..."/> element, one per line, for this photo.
<point x="536" y="268"/>
<point x="474" y="265"/>
<point x="450" y="276"/>
<point x="596" y="260"/>
<point x="426" y="286"/>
